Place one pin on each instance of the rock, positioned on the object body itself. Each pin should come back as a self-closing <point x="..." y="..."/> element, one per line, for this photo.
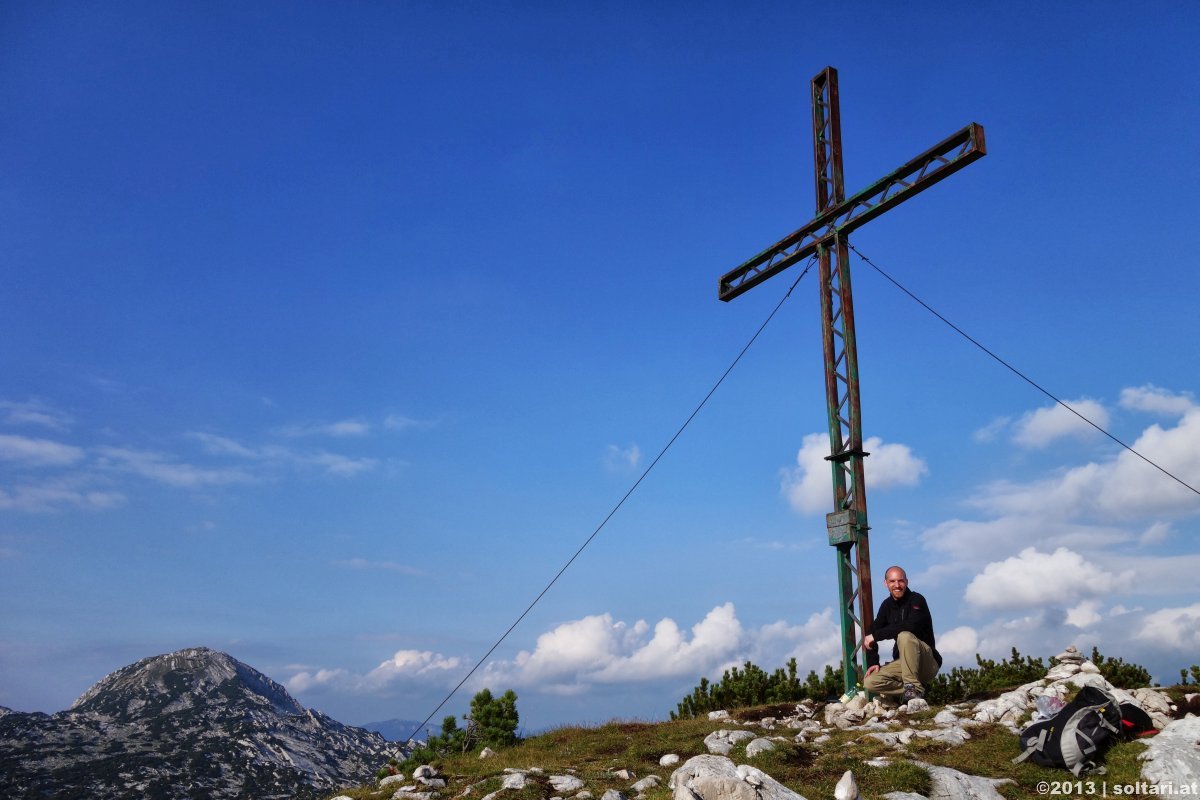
<point x="565" y="783"/>
<point x="890" y="739"/>
<point x="916" y="705"/>
<point x="1089" y="667"/>
<point x="950" y="784"/>
<point x="613" y="794"/>
<point x="514" y="780"/>
<point x="624" y="774"/>
<point x="904" y="796"/>
<point x="822" y="739"/>
<point x="1070" y="656"/>
<point x="491" y="796"/>
<point x="424" y="771"/>
<point x="878" y="762"/>
<point x="487" y="752"/>
<point x="833" y="710"/>
<point x="584" y="795"/>
<point x="847" y="788"/>
<point x="758" y="747"/>
<point x="1173" y="756"/>
<point x="858" y="701"/>
<point x="390" y="779"/>
<point x="716" y="778"/>
<point x="714" y="715"/>
<point x="434" y="783"/>
<point x="722" y="741"/>
<point x="945" y="717"/>
<point x="952" y="735"/>
<point x="767" y="723"/>
<point x="1157" y="704"/>
<point x="646" y="784"/>
<point x="401" y="794"/>
<point x="669" y="760"/>
<point x="1061" y="672"/>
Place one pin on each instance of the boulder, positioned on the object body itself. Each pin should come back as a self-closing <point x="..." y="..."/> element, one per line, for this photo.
<point x="624" y="774"/>
<point x="646" y="784"/>
<point x="424" y="771"/>
<point x="714" y="715"/>
<point x="716" y="778"/>
<point x="393" y="779"/>
<point x="565" y="783"/>
<point x="1173" y="756"/>
<point x="514" y="780"/>
<point x="847" y="788"/>
<point x="669" y="760"/>
<point x="613" y="794"/>
<point x="722" y="741"/>
<point x="916" y="705"/>
<point x="487" y="752"/>
<point x="758" y="747"/>
<point x="950" y="784"/>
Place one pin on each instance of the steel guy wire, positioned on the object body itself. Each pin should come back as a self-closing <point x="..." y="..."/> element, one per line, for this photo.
<point x="1020" y="374"/>
<point x="621" y="502"/>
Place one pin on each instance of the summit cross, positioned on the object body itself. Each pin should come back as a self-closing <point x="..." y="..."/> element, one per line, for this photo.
<point x="827" y="237"/>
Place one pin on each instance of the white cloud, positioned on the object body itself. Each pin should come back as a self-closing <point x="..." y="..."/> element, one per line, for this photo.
<point x="958" y="645"/>
<point x="627" y="458"/>
<point x="341" y="428"/>
<point x="57" y="495"/>
<point x="1040" y="428"/>
<point x="1085" y="614"/>
<point x="1032" y="579"/>
<point x="280" y="457"/>
<point x="807" y="486"/>
<point x="162" y="469"/>
<point x="35" y="412"/>
<point x="38" y="452"/>
<point x="1124" y="486"/>
<point x="1156" y="400"/>
<point x="1157" y="533"/>
<point x="403" y="666"/>
<point x="1173" y="628"/>
<point x="992" y="431"/>
<point x="388" y="566"/>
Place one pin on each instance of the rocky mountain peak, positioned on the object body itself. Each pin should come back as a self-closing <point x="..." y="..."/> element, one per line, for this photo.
<point x="177" y="681"/>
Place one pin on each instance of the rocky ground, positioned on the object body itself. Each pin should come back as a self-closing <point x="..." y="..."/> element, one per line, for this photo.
<point x="1170" y="764"/>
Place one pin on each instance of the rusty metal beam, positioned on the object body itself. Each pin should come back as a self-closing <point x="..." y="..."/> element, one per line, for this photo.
<point x="935" y="164"/>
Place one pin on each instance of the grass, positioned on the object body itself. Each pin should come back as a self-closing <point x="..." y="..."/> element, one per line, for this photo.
<point x="593" y="754"/>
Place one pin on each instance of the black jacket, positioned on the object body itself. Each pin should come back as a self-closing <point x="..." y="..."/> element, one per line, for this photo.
<point x="909" y="613"/>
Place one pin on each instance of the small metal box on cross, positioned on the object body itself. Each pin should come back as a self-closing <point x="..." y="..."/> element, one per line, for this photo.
<point x="826" y="236"/>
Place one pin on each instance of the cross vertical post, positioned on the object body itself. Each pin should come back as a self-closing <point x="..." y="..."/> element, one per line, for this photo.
<point x="827" y="237"/>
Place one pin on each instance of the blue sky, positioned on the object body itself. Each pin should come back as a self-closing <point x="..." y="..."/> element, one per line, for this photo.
<point x="330" y="331"/>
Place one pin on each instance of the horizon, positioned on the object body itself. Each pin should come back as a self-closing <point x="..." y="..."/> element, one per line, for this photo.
<point x="331" y="333"/>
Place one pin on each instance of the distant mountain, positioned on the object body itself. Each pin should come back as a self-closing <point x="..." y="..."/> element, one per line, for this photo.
<point x="192" y="724"/>
<point x="397" y="730"/>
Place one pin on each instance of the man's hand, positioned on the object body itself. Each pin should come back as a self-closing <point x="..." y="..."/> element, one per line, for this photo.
<point x="869" y="641"/>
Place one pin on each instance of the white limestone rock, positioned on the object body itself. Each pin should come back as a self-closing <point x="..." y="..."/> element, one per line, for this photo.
<point x="758" y="747"/>
<point x="401" y="794"/>
<point x="711" y="777"/>
<point x="624" y="774"/>
<point x="613" y="794"/>
<point x="646" y="784"/>
<point x="721" y="742"/>
<point x="514" y="780"/>
<point x="847" y="788"/>
<point x="565" y="783"/>
<point x="487" y="752"/>
<point x="1070" y="656"/>
<point x="945" y="717"/>
<point x="916" y="705"/>
<point x="950" y="784"/>
<point x="669" y="760"/>
<point x="715" y="715"/>
<point x="391" y="779"/>
<point x="1173" y="756"/>
<point x="424" y="771"/>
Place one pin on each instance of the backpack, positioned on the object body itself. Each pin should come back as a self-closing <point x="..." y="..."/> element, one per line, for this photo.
<point x="1077" y="736"/>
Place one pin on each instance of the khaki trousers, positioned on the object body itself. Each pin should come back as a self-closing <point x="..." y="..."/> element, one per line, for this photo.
<point x="916" y="665"/>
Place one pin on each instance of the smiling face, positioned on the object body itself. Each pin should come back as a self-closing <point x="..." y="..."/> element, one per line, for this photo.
<point x="897" y="582"/>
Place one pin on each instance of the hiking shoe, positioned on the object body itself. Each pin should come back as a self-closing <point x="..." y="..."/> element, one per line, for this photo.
<point x="912" y="692"/>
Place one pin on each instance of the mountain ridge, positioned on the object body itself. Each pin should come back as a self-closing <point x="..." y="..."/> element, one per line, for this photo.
<point x="195" y="723"/>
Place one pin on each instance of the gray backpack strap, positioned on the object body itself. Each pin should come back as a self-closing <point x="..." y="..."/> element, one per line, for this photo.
<point x="1033" y="747"/>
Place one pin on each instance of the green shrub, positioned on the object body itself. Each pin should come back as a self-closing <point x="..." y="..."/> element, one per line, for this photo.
<point x="1119" y="673"/>
<point x="753" y="686"/>
<point x="1195" y="675"/>
<point x="492" y="723"/>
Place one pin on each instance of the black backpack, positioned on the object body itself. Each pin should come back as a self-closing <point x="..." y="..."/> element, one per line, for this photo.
<point x="1077" y="736"/>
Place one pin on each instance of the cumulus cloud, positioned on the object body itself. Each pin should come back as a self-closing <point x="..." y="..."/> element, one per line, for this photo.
<point x="1173" y="628"/>
<point x="807" y="486"/>
<point x="403" y="666"/>
<point x="622" y="458"/>
<point x="1157" y="400"/>
<point x="38" y="452"/>
<point x="35" y="412"/>
<point x="959" y="645"/>
<point x="1044" y="426"/>
<point x="1085" y="614"/>
<point x="1032" y="579"/>
<point x="577" y="655"/>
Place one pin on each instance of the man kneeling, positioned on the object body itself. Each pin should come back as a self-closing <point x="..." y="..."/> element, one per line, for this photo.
<point x="903" y="616"/>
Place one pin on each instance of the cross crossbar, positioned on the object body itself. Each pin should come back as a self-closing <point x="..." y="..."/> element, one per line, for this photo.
<point x="935" y="164"/>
